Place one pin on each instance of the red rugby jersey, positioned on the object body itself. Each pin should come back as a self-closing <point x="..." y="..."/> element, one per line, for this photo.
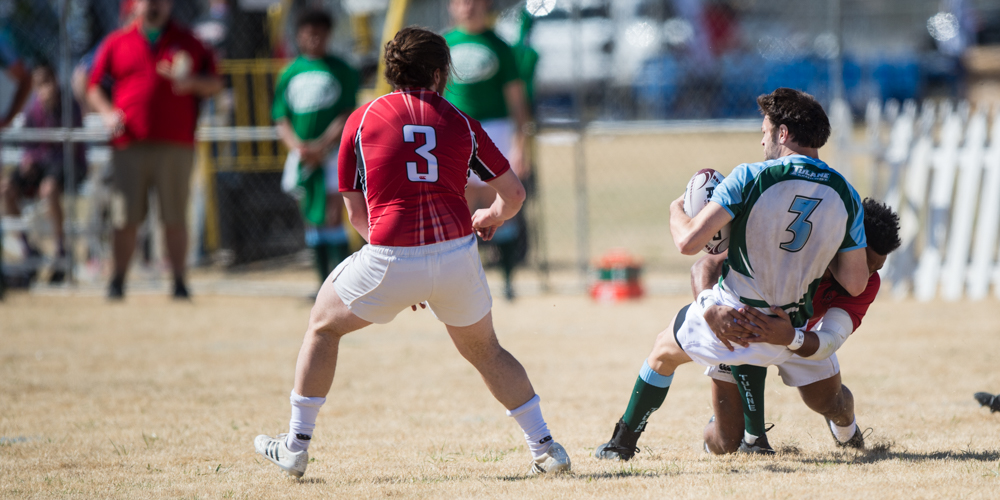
<point x="830" y="294"/>
<point x="153" y="112"/>
<point x="410" y="152"/>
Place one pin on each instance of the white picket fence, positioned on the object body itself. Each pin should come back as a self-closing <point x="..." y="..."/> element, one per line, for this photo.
<point x="938" y="166"/>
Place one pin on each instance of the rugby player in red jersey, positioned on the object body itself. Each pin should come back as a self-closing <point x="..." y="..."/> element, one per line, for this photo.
<point x="404" y="161"/>
<point x="814" y="369"/>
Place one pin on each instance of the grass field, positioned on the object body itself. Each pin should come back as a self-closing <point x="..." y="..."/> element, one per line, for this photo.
<point x="154" y="399"/>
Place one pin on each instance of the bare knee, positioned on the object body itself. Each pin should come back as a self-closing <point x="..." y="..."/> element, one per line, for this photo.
<point x="480" y="350"/>
<point x="330" y="317"/>
<point x="477" y="342"/>
<point x="666" y="355"/>
<point x="325" y="324"/>
<point x="725" y="433"/>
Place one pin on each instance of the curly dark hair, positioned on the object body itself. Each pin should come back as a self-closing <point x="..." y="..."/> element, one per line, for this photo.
<point x="314" y="16"/>
<point x="800" y="112"/>
<point x="413" y="55"/>
<point x="881" y="227"/>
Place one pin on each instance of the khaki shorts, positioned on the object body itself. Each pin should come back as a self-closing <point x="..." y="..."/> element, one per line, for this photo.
<point x="145" y="166"/>
<point x="377" y="282"/>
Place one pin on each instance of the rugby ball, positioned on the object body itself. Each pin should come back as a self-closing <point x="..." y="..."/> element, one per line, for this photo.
<point x="696" y="197"/>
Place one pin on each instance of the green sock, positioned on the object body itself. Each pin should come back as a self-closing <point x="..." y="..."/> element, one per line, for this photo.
<point x="321" y="254"/>
<point x="647" y="395"/>
<point x="750" y="380"/>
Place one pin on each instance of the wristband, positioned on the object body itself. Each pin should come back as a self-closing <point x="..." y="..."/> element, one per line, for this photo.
<point x="800" y="338"/>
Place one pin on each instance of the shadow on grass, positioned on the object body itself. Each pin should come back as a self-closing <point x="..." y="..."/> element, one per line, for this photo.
<point x="625" y="472"/>
<point x="311" y="480"/>
<point x="880" y="452"/>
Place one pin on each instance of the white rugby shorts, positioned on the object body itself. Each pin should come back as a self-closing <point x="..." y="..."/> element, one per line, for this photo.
<point x="796" y="372"/>
<point x="501" y="132"/>
<point x="703" y="347"/>
<point x="377" y="282"/>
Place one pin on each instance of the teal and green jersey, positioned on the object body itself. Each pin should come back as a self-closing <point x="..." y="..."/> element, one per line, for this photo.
<point x="526" y="59"/>
<point x="311" y="93"/>
<point x="791" y="216"/>
<point x="481" y="65"/>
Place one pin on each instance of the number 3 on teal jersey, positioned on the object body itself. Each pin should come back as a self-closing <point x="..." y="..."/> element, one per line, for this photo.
<point x="801" y="228"/>
<point x="430" y="142"/>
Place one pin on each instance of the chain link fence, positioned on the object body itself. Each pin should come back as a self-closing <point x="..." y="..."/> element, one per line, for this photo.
<point x="631" y="97"/>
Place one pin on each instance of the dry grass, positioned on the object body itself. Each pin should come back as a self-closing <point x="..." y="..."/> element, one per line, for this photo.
<point x="153" y="399"/>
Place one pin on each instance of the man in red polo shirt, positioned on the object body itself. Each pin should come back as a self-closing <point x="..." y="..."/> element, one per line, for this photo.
<point x="160" y="73"/>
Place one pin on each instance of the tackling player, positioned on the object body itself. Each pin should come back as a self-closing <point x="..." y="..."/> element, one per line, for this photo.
<point x="792" y="217"/>
<point x="404" y="160"/>
<point x="814" y="369"/>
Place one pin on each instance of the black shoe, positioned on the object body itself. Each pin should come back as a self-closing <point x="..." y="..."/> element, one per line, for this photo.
<point x="622" y="445"/>
<point x="57" y="273"/>
<point x="987" y="399"/>
<point x="760" y="447"/>
<point x="180" y="290"/>
<point x="57" y="276"/>
<point x="857" y="441"/>
<point x="116" y="289"/>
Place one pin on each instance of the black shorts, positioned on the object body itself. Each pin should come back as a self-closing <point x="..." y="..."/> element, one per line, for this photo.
<point x="678" y="321"/>
<point x="28" y="183"/>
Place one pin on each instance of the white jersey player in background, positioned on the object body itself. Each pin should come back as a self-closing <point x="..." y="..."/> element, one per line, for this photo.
<point x="792" y="217"/>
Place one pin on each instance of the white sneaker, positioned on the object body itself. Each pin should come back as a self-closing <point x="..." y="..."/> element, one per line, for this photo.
<point x="274" y="449"/>
<point x="553" y="461"/>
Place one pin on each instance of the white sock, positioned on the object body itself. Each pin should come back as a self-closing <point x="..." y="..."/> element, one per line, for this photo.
<point x="749" y="438"/>
<point x="844" y="434"/>
<point x="536" y="433"/>
<point x="300" y="428"/>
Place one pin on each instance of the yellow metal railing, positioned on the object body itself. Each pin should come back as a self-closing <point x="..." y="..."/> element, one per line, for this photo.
<point x="252" y="83"/>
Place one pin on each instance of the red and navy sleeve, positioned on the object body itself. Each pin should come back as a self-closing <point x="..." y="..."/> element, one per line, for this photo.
<point x="102" y="62"/>
<point x="350" y="159"/>
<point x="857" y="307"/>
<point x="487" y="161"/>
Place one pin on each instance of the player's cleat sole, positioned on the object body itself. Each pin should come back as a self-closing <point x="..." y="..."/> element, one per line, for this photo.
<point x="988" y="400"/>
<point x="554" y="461"/>
<point x="622" y="445"/>
<point x="274" y="449"/>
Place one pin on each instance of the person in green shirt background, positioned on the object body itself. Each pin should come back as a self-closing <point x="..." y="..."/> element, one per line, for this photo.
<point x="313" y="98"/>
<point x="485" y="84"/>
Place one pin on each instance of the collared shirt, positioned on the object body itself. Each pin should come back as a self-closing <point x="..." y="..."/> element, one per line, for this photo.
<point x="153" y="111"/>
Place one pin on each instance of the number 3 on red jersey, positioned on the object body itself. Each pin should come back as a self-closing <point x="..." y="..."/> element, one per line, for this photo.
<point x="430" y="142"/>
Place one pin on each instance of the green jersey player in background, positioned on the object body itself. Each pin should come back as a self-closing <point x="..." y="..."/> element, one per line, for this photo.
<point x="485" y="84"/>
<point x="313" y="98"/>
<point x="792" y="217"/>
